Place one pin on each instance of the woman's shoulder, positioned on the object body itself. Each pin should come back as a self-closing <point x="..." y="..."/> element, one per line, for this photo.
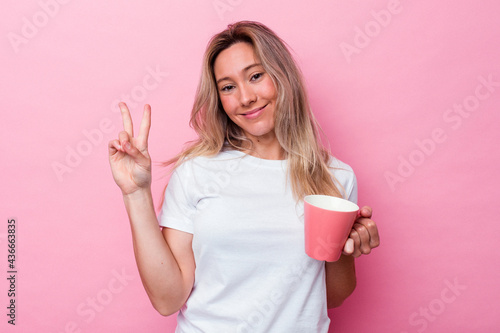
<point x="338" y="165"/>
<point x="344" y="176"/>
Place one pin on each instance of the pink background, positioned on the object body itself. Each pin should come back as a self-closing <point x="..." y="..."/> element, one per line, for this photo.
<point x="384" y="89"/>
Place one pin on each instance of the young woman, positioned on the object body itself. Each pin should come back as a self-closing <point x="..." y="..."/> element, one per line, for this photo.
<point x="230" y="255"/>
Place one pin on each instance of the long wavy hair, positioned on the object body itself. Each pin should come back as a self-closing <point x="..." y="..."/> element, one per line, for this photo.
<point x="295" y="125"/>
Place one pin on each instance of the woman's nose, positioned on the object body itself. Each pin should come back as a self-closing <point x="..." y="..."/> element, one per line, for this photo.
<point x="247" y="96"/>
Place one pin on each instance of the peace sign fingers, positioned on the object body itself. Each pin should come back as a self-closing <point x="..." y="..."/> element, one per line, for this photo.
<point x="141" y="142"/>
<point x="128" y="155"/>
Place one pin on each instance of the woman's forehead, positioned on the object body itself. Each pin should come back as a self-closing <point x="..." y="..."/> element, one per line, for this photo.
<point x="235" y="59"/>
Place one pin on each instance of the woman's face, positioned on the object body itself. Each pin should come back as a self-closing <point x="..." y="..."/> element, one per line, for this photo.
<point x="246" y="91"/>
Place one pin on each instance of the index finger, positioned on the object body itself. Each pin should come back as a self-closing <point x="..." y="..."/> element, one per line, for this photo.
<point x="366" y="211"/>
<point x="127" y="120"/>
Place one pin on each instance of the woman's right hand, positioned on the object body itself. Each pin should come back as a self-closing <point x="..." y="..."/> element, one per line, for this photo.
<point x="128" y="155"/>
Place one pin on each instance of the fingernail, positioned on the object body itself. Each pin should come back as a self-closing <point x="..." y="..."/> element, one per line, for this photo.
<point x="127" y="145"/>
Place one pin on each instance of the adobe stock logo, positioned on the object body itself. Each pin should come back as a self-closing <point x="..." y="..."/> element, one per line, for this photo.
<point x="263" y="308"/>
<point x="96" y="303"/>
<point x="364" y="36"/>
<point x="223" y="6"/>
<point x="31" y="27"/>
<point x="76" y="153"/>
<point x="454" y="116"/>
<point x="326" y="247"/>
<point x="429" y="313"/>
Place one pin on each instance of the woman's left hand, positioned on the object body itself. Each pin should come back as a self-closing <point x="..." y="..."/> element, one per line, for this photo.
<point x="364" y="235"/>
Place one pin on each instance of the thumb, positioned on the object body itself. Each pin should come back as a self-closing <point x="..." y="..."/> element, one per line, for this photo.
<point x="349" y="246"/>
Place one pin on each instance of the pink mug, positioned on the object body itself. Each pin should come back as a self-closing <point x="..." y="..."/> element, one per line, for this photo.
<point x="327" y="223"/>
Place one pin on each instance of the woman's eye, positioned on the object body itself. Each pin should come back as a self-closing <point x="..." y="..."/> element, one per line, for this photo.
<point x="256" y="76"/>
<point x="226" y="88"/>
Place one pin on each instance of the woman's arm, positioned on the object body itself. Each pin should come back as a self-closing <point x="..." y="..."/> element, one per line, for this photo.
<point x="165" y="260"/>
<point x="340" y="280"/>
<point x="341" y="275"/>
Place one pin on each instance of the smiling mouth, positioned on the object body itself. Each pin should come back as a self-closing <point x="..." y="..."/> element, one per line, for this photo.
<point x="254" y="112"/>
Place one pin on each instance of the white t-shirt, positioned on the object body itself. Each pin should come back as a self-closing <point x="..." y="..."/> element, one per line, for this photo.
<point x="252" y="273"/>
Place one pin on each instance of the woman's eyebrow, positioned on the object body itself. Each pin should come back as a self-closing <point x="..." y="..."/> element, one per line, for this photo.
<point x="251" y="66"/>
<point x="244" y="70"/>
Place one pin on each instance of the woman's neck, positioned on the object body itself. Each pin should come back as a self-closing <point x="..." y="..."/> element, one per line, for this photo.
<point x="266" y="147"/>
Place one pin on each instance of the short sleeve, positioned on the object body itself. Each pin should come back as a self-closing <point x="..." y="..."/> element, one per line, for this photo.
<point x="345" y="177"/>
<point x="178" y="207"/>
<point x="352" y="194"/>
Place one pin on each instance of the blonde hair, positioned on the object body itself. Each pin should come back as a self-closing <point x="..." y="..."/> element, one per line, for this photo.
<point x="295" y="126"/>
